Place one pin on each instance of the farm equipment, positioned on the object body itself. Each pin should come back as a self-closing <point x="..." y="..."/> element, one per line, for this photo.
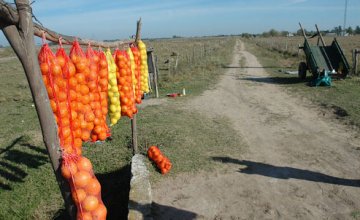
<point x="324" y="62"/>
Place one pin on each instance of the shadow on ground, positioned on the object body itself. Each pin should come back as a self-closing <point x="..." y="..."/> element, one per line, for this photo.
<point x="277" y="80"/>
<point x="160" y="212"/>
<point x="16" y="158"/>
<point x="115" y="188"/>
<point x="278" y="172"/>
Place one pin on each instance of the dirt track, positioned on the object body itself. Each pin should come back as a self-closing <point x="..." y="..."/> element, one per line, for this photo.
<point x="298" y="165"/>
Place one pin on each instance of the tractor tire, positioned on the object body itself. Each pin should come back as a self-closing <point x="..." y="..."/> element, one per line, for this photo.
<point x="302" y="70"/>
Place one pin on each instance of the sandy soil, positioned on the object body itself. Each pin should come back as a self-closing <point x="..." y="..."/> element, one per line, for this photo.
<point x="299" y="164"/>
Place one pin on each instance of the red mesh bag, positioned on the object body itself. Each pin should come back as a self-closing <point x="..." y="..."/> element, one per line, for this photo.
<point x="85" y="187"/>
<point x="137" y="59"/>
<point x="162" y="162"/>
<point x="125" y="85"/>
<point x="68" y="69"/>
<point x="57" y="90"/>
<point x="97" y="99"/>
<point x="85" y="114"/>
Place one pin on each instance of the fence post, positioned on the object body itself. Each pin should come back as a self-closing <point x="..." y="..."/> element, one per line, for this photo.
<point x="355" y="60"/>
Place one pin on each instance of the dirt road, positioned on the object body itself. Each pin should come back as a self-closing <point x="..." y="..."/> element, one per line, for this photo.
<point x="298" y="165"/>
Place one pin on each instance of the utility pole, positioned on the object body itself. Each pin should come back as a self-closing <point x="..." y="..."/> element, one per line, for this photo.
<point x="345" y="14"/>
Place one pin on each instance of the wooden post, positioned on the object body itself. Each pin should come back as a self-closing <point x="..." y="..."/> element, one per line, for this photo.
<point x="21" y="38"/>
<point x="133" y="120"/>
<point x="155" y="76"/>
<point x="355" y="60"/>
<point x="320" y="36"/>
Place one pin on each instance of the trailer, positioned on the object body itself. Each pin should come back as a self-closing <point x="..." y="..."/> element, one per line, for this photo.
<point x="322" y="60"/>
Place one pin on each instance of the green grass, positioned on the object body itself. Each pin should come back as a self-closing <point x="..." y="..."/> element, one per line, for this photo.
<point x="199" y="62"/>
<point x="28" y="189"/>
<point x="342" y="98"/>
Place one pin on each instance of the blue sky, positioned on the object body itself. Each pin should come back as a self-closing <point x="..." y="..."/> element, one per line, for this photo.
<point x="101" y="20"/>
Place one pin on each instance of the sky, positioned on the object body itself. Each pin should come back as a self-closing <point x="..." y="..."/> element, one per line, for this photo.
<point x="104" y="20"/>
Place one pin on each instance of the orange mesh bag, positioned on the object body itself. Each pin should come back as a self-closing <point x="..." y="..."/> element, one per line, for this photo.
<point x="57" y="90"/>
<point x="84" y="110"/>
<point x="85" y="187"/>
<point x="162" y="162"/>
<point x="137" y="62"/>
<point x="125" y="85"/>
<point x="100" y="130"/>
<point x="69" y="70"/>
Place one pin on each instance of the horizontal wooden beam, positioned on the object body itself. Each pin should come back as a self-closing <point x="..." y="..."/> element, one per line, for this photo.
<point x="9" y="16"/>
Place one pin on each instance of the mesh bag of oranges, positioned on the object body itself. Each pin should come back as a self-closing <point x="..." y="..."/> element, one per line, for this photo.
<point x="125" y="85"/>
<point x="98" y="100"/>
<point x="137" y="72"/>
<point x="68" y="70"/>
<point x="85" y="114"/>
<point x="58" y="93"/>
<point x="85" y="188"/>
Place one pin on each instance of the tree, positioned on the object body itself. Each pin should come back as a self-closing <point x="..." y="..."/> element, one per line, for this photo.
<point x="349" y="30"/>
<point x="273" y="33"/>
<point x="357" y="29"/>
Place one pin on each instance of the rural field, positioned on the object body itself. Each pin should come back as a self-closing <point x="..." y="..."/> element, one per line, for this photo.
<point x="247" y="141"/>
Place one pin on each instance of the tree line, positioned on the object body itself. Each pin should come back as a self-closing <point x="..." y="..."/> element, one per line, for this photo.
<point x="336" y="30"/>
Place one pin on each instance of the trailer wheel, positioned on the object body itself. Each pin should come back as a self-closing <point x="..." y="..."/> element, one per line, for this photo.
<point x="302" y="70"/>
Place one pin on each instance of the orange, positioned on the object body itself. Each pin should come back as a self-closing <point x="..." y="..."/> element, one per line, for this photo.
<point x="92" y="85"/>
<point x="97" y="121"/>
<point x="66" y="131"/>
<point x="93" y="187"/>
<point x="80" y="66"/>
<point x="77" y="142"/>
<point x="98" y="129"/>
<point x="103" y="73"/>
<point x="85" y="99"/>
<point x="53" y="105"/>
<point x="103" y="63"/>
<point x="45" y="80"/>
<point x="44" y="67"/>
<point x="77" y="133"/>
<point x="90" y="126"/>
<point x="68" y="169"/>
<point x="94" y="137"/>
<point x="90" y="203"/>
<point x="84" y="89"/>
<point x="65" y="122"/>
<point x="78" y="195"/>
<point x="84" y="164"/>
<point x="73" y="96"/>
<point x="72" y="69"/>
<point x="84" y="216"/>
<point x="85" y="135"/>
<point x="81" y="179"/>
<point x="102" y="136"/>
<point x="92" y="75"/>
<point x="72" y="82"/>
<point x="61" y="61"/>
<point x="98" y="113"/>
<point x="56" y="69"/>
<point x="73" y="115"/>
<point x="100" y="212"/>
<point x="80" y="78"/>
<point x="89" y="116"/>
<point x="62" y="96"/>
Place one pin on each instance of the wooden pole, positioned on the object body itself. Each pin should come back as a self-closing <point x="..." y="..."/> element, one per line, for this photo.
<point x="21" y="38"/>
<point x="9" y="15"/>
<point x="155" y="75"/>
<point x="355" y="60"/>
<point x="133" y="120"/>
<point x="303" y="31"/>
<point x="320" y="36"/>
